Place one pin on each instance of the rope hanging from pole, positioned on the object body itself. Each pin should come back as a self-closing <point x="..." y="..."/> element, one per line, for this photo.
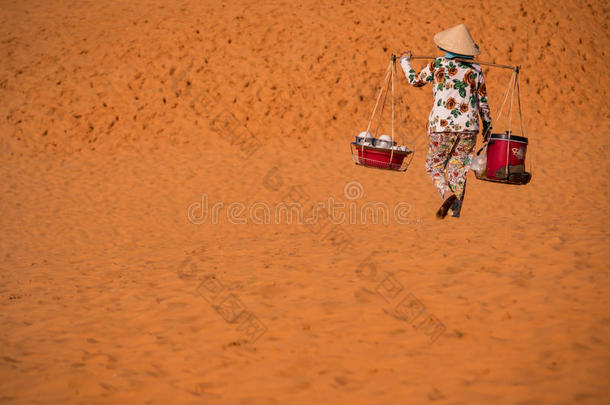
<point x="384" y="153"/>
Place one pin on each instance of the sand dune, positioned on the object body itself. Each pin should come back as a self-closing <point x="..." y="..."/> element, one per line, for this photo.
<point x="119" y="122"/>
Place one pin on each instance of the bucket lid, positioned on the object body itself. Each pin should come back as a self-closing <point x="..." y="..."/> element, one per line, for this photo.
<point x="513" y="138"/>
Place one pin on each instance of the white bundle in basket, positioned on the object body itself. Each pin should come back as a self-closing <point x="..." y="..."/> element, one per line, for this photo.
<point x="479" y="163"/>
<point x="401" y="148"/>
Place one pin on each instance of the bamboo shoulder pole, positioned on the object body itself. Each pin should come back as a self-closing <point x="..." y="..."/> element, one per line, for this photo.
<point x="472" y="61"/>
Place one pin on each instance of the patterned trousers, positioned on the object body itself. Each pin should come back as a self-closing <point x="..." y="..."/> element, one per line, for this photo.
<point x="448" y="161"/>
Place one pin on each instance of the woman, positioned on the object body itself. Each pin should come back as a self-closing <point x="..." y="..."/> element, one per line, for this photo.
<point x="459" y="98"/>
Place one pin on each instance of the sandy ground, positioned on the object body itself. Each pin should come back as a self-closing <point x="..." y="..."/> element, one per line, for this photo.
<point x="120" y="121"/>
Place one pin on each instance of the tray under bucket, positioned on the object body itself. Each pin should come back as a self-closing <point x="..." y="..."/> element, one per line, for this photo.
<point x="519" y="178"/>
<point x="380" y="158"/>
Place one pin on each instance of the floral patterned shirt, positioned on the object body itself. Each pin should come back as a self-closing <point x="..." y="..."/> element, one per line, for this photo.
<point x="459" y="93"/>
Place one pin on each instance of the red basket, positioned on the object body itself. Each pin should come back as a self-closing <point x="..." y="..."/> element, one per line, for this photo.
<point x="380" y="158"/>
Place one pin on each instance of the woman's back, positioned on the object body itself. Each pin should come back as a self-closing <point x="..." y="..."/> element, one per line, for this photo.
<point x="459" y="94"/>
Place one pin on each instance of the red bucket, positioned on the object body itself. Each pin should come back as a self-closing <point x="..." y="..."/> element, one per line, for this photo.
<point x="497" y="149"/>
<point x="380" y="158"/>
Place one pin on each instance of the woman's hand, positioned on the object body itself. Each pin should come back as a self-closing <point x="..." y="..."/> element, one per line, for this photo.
<point x="406" y="54"/>
<point x="486" y="133"/>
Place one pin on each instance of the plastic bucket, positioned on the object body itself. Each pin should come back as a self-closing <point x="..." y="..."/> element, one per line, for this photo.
<point x="497" y="148"/>
<point x="380" y="158"/>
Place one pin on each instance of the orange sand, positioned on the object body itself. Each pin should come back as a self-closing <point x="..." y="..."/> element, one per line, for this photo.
<point x="117" y="116"/>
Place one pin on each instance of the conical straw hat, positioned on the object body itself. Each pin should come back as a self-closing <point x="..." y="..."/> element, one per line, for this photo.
<point x="457" y="40"/>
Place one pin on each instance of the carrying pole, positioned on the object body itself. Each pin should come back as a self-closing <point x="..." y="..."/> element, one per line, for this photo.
<point x="471" y="61"/>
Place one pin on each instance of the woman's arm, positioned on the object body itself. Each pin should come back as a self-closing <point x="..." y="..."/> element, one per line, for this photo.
<point x="415" y="79"/>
